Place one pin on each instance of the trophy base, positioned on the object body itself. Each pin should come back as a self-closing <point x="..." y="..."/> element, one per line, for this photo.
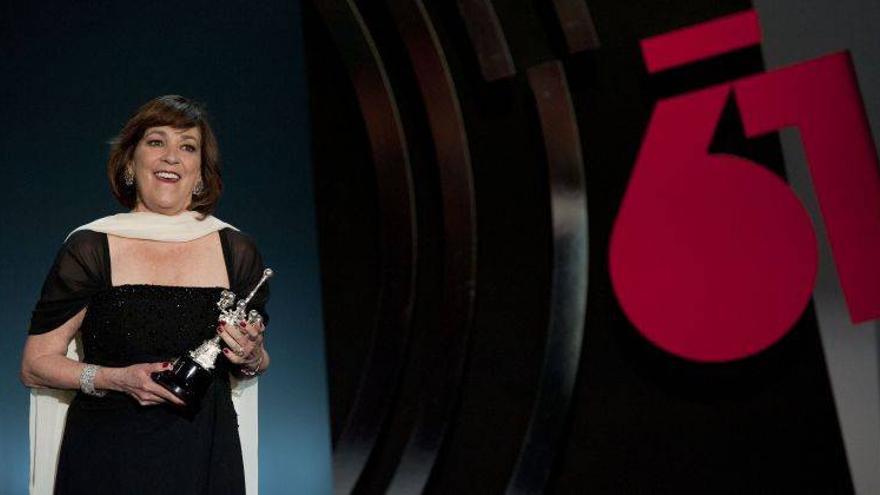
<point x="187" y="380"/>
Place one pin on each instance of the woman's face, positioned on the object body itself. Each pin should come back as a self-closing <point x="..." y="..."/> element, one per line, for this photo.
<point x="167" y="163"/>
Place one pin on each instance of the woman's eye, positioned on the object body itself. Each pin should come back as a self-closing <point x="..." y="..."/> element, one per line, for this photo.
<point x="189" y="147"/>
<point x="154" y="142"/>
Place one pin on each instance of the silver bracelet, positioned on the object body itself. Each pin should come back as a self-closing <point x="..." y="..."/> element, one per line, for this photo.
<point x="87" y="381"/>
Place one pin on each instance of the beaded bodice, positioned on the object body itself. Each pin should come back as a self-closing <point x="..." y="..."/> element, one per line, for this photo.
<point x="131" y="324"/>
<point x="80" y="277"/>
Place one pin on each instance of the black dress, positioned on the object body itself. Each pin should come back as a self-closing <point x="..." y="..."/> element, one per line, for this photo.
<point x="111" y="444"/>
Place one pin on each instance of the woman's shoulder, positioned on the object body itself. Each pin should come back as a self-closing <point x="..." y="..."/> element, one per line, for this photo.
<point x="242" y="253"/>
<point x="236" y="235"/>
<point x="80" y="270"/>
<point x="245" y="265"/>
<point x="85" y="239"/>
<point x="238" y="241"/>
<point x="86" y="246"/>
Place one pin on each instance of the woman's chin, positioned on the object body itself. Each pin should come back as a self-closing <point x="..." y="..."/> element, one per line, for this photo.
<point x="165" y="207"/>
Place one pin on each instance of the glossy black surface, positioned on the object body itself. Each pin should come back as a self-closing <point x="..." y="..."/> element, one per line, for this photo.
<point x="187" y="380"/>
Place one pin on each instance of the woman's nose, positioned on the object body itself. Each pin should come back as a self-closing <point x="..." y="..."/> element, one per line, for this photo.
<point x="171" y="156"/>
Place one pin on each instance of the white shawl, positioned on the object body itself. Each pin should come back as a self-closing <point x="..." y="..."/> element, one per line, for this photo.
<point x="48" y="407"/>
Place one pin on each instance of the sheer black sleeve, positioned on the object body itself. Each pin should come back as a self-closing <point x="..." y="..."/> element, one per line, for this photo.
<point x="80" y="269"/>
<point x="245" y="267"/>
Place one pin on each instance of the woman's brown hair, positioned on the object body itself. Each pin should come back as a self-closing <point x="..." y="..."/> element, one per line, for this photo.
<point x="177" y="112"/>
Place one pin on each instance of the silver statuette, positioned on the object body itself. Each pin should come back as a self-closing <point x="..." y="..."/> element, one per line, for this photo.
<point x="206" y="354"/>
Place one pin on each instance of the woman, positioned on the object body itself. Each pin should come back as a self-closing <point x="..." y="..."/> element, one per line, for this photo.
<point x="141" y="288"/>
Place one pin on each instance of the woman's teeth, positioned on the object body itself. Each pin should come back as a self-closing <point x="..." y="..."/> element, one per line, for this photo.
<point x="169" y="176"/>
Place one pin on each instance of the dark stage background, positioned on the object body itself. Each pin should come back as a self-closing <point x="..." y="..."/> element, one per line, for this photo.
<point x="70" y="74"/>
<point x="471" y="158"/>
<point x="466" y="161"/>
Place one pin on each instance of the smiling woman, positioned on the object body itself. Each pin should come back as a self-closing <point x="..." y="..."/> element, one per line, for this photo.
<point x="171" y="135"/>
<point x="167" y="156"/>
<point x="135" y="290"/>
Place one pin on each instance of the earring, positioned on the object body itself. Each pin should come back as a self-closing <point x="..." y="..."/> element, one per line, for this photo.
<point x="128" y="176"/>
<point x="199" y="189"/>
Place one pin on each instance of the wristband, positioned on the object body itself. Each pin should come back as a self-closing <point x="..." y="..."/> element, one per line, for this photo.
<point x="87" y="381"/>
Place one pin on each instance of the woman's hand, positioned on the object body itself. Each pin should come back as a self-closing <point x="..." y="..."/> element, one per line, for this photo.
<point x="245" y="344"/>
<point x="135" y="380"/>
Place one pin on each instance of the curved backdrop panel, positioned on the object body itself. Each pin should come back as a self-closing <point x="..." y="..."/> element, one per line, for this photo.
<point x="526" y="128"/>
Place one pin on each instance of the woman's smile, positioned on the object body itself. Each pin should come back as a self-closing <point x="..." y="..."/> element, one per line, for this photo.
<point x="167" y="166"/>
<point x="168" y="177"/>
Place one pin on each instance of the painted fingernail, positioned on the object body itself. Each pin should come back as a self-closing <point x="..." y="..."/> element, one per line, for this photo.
<point x="166" y="364"/>
<point x="222" y="323"/>
<point x="226" y="351"/>
<point x="243" y="324"/>
<point x="219" y="330"/>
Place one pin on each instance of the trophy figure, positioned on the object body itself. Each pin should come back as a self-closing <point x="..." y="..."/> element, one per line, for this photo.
<point x="190" y="376"/>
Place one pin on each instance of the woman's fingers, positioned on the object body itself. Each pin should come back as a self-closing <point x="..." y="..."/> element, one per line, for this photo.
<point x="236" y="352"/>
<point x="255" y="332"/>
<point x="145" y="390"/>
<point x="161" y="366"/>
<point x="242" y="340"/>
<point x="163" y="394"/>
<point x="251" y="330"/>
<point x="147" y="399"/>
<point x="233" y="338"/>
<point x="233" y="357"/>
<point x="247" y="330"/>
<point x="247" y="358"/>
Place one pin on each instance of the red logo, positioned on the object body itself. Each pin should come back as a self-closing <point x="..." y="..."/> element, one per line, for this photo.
<point x="712" y="256"/>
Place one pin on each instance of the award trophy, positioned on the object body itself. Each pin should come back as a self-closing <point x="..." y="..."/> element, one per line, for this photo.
<point x="190" y="376"/>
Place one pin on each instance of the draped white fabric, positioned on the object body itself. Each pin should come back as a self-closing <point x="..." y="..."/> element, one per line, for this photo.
<point x="48" y="407"/>
<point x="182" y="227"/>
<point x="48" y="413"/>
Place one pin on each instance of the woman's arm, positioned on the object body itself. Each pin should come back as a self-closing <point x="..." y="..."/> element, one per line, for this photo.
<point x="45" y="364"/>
